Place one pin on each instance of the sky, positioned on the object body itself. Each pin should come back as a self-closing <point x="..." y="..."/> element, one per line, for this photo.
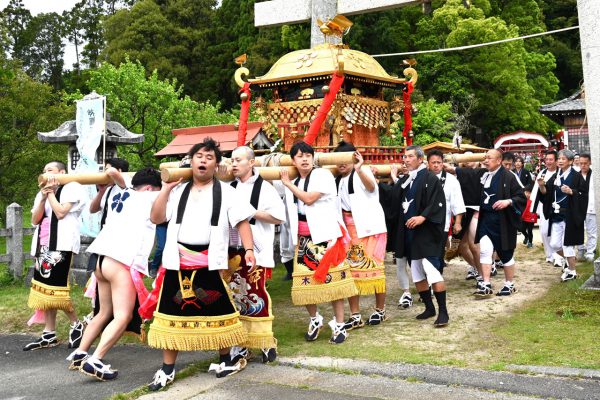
<point x="45" y="6"/>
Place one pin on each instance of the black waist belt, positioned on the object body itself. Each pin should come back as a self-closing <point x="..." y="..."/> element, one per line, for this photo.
<point x="235" y="249"/>
<point x="301" y="217"/>
<point x="195" y="247"/>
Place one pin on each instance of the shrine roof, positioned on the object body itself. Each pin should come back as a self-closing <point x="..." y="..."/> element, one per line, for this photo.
<point x="320" y="62"/>
<point x="575" y="102"/>
<point x="67" y="133"/>
<point x="225" y="135"/>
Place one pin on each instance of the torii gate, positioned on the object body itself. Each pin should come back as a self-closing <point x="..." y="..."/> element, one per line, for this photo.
<point x="280" y="12"/>
<point x="589" y="23"/>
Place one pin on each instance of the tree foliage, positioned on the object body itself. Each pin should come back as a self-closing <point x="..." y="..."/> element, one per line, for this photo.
<point x="195" y="42"/>
<point x="565" y="46"/>
<point x="150" y="106"/>
<point x="509" y="82"/>
<point x="433" y="121"/>
<point x="36" y="41"/>
<point x="16" y="19"/>
<point x="26" y="107"/>
<point x="182" y="54"/>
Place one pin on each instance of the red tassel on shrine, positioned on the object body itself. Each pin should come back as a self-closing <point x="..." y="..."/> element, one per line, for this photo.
<point x="407" y="113"/>
<point x="315" y="126"/>
<point x="243" y="124"/>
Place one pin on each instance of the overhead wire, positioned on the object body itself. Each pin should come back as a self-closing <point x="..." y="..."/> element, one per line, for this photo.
<point x="473" y="46"/>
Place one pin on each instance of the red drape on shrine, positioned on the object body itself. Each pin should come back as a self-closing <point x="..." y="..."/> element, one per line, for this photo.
<point x="407" y="113"/>
<point x="242" y="130"/>
<point x="315" y="126"/>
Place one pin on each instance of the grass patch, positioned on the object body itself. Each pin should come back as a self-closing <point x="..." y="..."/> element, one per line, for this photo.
<point x="556" y="330"/>
<point x="14" y="312"/>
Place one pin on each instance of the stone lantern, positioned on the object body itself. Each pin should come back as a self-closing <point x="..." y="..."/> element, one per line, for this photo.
<point x="67" y="133"/>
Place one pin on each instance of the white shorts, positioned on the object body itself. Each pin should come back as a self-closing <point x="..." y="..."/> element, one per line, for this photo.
<point x="424" y="270"/>
<point x="557" y="240"/>
<point x="486" y="253"/>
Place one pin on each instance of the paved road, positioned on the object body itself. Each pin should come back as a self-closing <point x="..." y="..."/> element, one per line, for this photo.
<point x="310" y="378"/>
<point x="261" y="382"/>
<point x="44" y="374"/>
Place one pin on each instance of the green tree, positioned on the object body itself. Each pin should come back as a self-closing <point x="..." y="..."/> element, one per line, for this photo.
<point x="46" y="58"/>
<point x="433" y="122"/>
<point x="145" y="34"/>
<point x="73" y="20"/>
<point x="92" y="14"/>
<point x="35" y="41"/>
<point x="498" y="76"/>
<point x="150" y="106"/>
<point x="194" y="42"/>
<point x="4" y="41"/>
<point x="16" y="19"/>
<point x="112" y="6"/>
<point x="564" y="46"/>
<point x="26" y="107"/>
<point x="385" y="32"/>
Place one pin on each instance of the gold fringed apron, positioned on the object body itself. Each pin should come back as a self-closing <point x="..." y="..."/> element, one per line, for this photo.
<point x="365" y="258"/>
<point x="195" y="309"/>
<point x="306" y="289"/>
<point x="50" y="289"/>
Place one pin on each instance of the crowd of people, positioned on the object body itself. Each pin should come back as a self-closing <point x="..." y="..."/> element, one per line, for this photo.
<point x="216" y="246"/>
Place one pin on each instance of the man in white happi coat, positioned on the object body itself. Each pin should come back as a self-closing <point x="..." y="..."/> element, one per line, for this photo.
<point x="363" y="216"/>
<point x="123" y="246"/>
<point x="321" y="273"/>
<point x="55" y="215"/>
<point x="192" y="306"/>
<point x="248" y="284"/>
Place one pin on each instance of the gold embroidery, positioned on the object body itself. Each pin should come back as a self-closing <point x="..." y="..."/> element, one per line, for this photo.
<point x="185" y="285"/>
<point x="254" y="276"/>
<point x="194" y="322"/>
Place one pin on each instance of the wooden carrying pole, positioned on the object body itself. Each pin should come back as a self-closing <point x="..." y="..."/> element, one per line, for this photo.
<point x="267" y="173"/>
<point x="169" y="164"/>
<point x="321" y="159"/>
<point x="463" y="158"/>
<point x="92" y="178"/>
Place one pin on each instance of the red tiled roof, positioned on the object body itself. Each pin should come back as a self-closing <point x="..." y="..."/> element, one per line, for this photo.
<point x="226" y="135"/>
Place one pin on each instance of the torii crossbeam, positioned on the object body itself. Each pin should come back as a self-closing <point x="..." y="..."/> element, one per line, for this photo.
<point x="280" y="12"/>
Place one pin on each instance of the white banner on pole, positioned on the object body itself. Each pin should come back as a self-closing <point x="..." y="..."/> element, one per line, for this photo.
<point x="91" y="126"/>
